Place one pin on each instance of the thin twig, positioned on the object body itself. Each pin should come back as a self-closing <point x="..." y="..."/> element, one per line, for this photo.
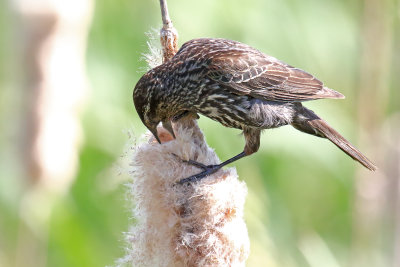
<point x="168" y="34"/>
<point x="164" y="14"/>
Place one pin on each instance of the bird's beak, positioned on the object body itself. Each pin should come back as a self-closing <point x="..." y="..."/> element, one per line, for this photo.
<point x="168" y="126"/>
<point x="154" y="132"/>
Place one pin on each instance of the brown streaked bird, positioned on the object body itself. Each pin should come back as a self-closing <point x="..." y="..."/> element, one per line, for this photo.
<point x="238" y="86"/>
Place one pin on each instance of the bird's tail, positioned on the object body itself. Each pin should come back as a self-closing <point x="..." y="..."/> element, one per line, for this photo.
<point x="310" y="123"/>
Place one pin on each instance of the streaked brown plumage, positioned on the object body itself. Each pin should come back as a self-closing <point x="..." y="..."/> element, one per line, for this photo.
<point x="238" y="86"/>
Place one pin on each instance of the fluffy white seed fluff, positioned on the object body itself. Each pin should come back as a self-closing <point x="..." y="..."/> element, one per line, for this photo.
<point x="198" y="224"/>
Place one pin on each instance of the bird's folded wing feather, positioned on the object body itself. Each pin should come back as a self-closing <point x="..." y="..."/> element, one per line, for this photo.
<point x="264" y="77"/>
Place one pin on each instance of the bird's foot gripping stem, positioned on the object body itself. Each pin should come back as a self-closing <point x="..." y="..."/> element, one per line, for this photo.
<point x="207" y="169"/>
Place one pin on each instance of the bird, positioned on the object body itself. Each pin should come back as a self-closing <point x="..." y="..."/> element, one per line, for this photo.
<point x="238" y="86"/>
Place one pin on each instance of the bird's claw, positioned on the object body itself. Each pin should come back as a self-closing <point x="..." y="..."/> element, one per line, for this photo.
<point x="197" y="164"/>
<point x="197" y="177"/>
<point x="207" y="170"/>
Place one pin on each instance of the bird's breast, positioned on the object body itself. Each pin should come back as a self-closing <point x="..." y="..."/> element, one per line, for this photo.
<point x="228" y="109"/>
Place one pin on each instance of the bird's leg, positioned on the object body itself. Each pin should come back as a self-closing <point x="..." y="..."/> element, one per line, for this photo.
<point x="208" y="169"/>
<point x="252" y="137"/>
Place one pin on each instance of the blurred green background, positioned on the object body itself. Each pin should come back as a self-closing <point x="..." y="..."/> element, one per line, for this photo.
<point x="308" y="203"/>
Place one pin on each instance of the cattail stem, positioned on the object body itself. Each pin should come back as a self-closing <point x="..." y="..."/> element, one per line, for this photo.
<point x="196" y="224"/>
<point x="168" y="34"/>
<point x="164" y="14"/>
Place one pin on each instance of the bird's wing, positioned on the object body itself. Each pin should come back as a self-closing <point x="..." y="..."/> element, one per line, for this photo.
<point x="264" y="77"/>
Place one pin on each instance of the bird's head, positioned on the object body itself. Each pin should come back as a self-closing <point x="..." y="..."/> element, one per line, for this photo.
<point x="148" y="105"/>
<point x="150" y="120"/>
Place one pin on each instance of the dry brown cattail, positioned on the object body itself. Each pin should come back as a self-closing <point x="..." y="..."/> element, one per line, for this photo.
<point x="200" y="224"/>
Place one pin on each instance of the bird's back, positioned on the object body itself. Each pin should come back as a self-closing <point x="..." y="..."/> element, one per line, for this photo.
<point x="247" y="71"/>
